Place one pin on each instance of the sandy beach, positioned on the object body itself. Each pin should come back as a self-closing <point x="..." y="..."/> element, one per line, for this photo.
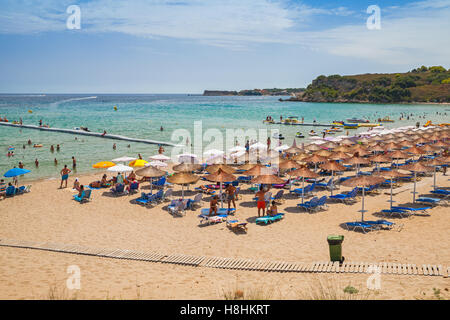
<point x="48" y="213"/>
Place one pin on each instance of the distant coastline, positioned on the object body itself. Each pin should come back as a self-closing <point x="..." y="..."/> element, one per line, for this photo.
<point x="256" y="92"/>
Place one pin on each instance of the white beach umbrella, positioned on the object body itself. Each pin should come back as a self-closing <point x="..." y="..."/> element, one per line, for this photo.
<point x="282" y="148"/>
<point x="237" y="154"/>
<point x="156" y="164"/>
<point x="258" y="146"/>
<point x="120" y="168"/>
<point x="236" y="149"/>
<point x="159" y="157"/>
<point x="124" y="159"/>
<point x="213" y="152"/>
<point x="187" y="158"/>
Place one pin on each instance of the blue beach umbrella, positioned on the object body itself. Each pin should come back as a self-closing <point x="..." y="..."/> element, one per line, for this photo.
<point x="14" y="172"/>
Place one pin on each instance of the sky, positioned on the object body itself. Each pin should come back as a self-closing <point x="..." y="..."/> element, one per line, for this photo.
<point x="187" y="46"/>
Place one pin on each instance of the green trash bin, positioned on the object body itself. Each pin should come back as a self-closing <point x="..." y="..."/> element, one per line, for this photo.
<point x="335" y="244"/>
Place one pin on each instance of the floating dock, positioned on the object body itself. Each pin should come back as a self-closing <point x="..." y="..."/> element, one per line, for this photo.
<point x="91" y="134"/>
<point x="304" y="124"/>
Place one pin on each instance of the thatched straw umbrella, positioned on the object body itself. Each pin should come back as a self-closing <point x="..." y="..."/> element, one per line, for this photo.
<point x="220" y="176"/>
<point x="339" y="156"/>
<point x="313" y="147"/>
<point x="343" y="148"/>
<point x="332" y="166"/>
<point x="150" y="172"/>
<point x="376" y="148"/>
<point x="294" y="149"/>
<point x="363" y="182"/>
<point x="257" y="170"/>
<point x="396" y="155"/>
<point x="268" y="179"/>
<point x="392" y="174"/>
<point x="381" y="158"/>
<point x="186" y="167"/>
<point x="287" y="165"/>
<point x="358" y="161"/>
<point x="323" y="153"/>
<point x="391" y="146"/>
<point x="301" y="157"/>
<point x="329" y="145"/>
<point x="216" y="167"/>
<point x="415" y="151"/>
<point x="304" y="173"/>
<point x="315" y="159"/>
<point x="183" y="178"/>
<point x="417" y="167"/>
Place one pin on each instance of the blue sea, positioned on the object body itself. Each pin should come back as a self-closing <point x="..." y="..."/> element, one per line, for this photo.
<point x="141" y="116"/>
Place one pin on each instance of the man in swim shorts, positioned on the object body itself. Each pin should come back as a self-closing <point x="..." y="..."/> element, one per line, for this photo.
<point x="64" y="175"/>
<point x="231" y="195"/>
<point x="261" y="204"/>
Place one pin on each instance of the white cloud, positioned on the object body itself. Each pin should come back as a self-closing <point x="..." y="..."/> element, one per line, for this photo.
<point x="410" y="34"/>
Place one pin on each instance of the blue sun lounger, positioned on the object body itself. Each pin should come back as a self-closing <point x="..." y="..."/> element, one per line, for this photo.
<point x="269" y="219"/>
<point x="432" y="201"/>
<point x="396" y="211"/>
<point x="441" y="192"/>
<point x="381" y="224"/>
<point x="412" y="209"/>
<point x="364" y="226"/>
<point x="205" y="211"/>
<point x="347" y="197"/>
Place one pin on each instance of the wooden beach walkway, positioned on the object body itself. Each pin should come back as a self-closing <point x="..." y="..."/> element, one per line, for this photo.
<point x="236" y="263"/>
<point x="92" y="134"/>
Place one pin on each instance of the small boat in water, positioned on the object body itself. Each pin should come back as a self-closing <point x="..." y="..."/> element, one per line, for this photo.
<point x="356" y="120"/>
<point x="312" y="133"/>
<point x="278" y="136"/>
<point x="385" y="119"/>
<point x="299" y="135"/>
<point x="291" y="120"/>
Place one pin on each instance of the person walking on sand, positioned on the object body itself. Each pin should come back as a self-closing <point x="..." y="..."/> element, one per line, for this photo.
<point x="261" y="204"/>
<point x="231" y="195"/>
<point x="64" y="176"/>
<point x="268" y="143"/>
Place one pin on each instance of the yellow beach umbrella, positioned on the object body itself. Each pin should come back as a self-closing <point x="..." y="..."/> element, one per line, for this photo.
<point x="103" y="165"/>
<point x="138" y="163"/>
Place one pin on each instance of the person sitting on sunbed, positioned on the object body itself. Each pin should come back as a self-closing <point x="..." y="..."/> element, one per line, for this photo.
<point x="131" y="176"/>
<point x="81" y="191"/>
<point x="105" y="183"/>
<point x="76" y="184"/>
<point x="273" y="210"/>
<point x="213" y="205"/>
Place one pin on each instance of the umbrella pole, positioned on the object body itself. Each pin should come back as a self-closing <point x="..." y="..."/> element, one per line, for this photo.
<point x="332" y="178"/>
<point x="362" y="210"/>
<point x="221" y="197"/>
<point x="303" y="189"/>
<point x="434" y="179"/>
<point x="414" y="192"/>
<point x="151" y="185"/>
<point x="391" y="194"/>
<point x="182" y="192"/>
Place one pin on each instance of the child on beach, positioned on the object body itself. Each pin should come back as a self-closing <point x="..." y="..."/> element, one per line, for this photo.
<point x="76" y="184"/>
<point x="213" y="205"/>
<point x="273" y="210"/>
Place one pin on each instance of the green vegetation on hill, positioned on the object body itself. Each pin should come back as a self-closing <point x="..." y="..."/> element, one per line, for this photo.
<point x="419" y="85"/>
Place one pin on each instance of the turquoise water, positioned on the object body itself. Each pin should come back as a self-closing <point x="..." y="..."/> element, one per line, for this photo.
<point x="142" y="115"/>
